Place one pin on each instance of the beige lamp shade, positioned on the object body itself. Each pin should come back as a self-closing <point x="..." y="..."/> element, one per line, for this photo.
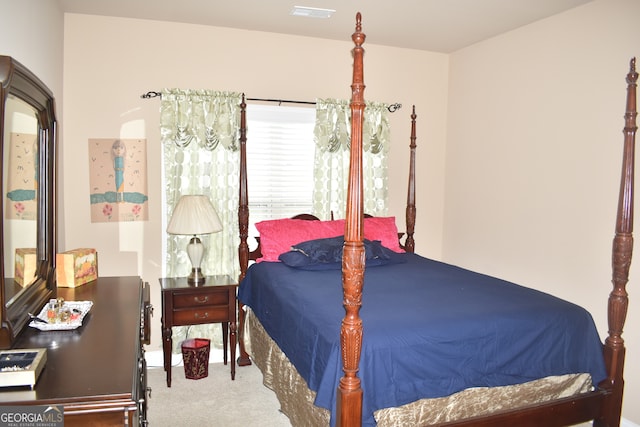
<point x="194" y="214"/>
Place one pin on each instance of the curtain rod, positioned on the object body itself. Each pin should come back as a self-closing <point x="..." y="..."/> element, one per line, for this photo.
<point x="153" y="94"/>
<point x="281" y="101"/>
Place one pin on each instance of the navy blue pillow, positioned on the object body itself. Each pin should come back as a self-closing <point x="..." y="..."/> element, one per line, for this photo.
<point x="322" y="250"/>
<point x="300" y="261"/>
<point x="326" y="254"/>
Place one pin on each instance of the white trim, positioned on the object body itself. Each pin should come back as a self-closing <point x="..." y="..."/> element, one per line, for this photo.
<point x="626" y="423"/>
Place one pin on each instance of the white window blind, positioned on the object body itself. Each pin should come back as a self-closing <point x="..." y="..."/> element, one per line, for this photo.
<point x="280" y="156"/>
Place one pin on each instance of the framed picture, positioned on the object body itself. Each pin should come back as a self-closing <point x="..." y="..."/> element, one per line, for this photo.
<point x="118" y="179"/>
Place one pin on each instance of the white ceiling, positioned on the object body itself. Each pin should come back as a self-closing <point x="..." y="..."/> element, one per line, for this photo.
<point x="433" y="25"/>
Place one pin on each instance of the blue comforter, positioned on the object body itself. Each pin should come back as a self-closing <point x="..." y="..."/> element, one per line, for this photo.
<point x="430" y="330"/>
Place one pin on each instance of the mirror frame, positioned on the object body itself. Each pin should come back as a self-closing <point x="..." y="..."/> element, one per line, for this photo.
<point x="17" y="80"/>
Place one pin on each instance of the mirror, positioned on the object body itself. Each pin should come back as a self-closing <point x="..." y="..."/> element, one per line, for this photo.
<point x="28" y="140"/>
<point x="19" y="186"/>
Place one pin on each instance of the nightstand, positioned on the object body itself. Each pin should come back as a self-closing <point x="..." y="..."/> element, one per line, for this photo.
<point x="184" y="304"/>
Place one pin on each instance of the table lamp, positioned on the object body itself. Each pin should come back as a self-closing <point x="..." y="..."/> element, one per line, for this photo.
<point x="193" y="215"/>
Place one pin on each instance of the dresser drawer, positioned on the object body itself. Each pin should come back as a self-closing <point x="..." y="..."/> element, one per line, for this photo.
<point x="201" y="299"/>
<point x="193" y="316"/>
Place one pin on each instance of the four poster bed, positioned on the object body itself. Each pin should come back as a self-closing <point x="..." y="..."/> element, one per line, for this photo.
<point x="422" y="342"/>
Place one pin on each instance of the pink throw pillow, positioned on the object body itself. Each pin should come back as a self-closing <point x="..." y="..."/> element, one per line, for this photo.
<point x="278" y="235"/>
<point x="383" y="229"/>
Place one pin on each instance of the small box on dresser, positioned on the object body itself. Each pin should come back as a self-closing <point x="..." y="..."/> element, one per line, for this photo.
<point x="25" y="266"/>
<point x="76" y="267"/>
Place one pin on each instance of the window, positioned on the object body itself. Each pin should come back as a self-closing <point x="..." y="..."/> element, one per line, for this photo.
<point x="280" y="156"/>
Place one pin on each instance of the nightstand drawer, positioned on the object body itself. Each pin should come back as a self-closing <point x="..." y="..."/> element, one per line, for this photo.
<point x="202" y="315"/>
<point x="200" y="299"/>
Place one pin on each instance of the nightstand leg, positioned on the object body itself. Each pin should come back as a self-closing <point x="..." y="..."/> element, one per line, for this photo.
<point x="167" y="343"/>
<point x="234" y="328"/>
<point x="225" y="340"/>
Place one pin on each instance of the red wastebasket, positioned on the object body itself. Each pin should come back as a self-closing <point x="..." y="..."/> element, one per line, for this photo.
<point x="195" y="355"/>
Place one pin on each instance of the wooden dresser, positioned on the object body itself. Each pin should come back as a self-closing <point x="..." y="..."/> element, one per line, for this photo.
<point x="97" y="372"/>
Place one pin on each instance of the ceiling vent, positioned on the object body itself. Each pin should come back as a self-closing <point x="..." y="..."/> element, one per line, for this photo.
<point x="312" y="12"/>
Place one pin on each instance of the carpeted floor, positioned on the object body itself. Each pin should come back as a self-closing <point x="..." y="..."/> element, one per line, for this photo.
<point x="213" y="401"/>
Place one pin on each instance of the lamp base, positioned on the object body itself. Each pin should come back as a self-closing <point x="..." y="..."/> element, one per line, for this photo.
<point x="196" y="278"/>
<point x="195" y="250"/>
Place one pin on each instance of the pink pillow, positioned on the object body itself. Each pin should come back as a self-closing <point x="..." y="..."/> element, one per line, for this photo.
<point x="278" y="235"/>
<point x="383" y="229"/>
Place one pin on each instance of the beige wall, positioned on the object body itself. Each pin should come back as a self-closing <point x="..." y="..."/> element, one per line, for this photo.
<point x="534" y="142"/>
<point x="31" y="32"/>
<point x="110" y="62"/>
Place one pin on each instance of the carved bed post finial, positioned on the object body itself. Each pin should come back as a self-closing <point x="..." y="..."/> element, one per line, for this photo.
<point x="614" y="350"/>
<point x="410" y="220"/>
<point x="349" y="393"/>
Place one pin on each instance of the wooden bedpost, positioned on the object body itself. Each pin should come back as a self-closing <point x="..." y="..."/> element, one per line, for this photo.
<point x="243" y="226"/>
<point x="614" y="350"/>
<point x="349" y="397"/>
<point x="243" y="203"/>
<point x="410" y="215"/>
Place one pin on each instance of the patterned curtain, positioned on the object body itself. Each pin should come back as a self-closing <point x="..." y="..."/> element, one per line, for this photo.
<point x="199" y="131"/>
<point x="332" y="135"/>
